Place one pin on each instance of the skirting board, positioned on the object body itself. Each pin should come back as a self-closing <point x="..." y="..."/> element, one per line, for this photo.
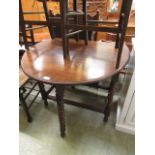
<point x="120" y="126"/>
<point x="125" y="128"/>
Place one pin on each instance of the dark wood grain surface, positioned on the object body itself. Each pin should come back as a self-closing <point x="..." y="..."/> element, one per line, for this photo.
<point x="88" y="63"/>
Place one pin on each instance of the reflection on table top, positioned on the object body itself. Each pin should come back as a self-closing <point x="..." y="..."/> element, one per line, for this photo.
<point x="87" y="63"/>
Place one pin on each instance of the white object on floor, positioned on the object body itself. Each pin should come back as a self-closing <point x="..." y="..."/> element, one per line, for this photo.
<point x="126" y="113"/>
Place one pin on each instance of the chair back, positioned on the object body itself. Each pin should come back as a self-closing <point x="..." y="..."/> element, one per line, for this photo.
<point x="56" y="25"/>
<point x="27" y="27"/>
<point x="107" y="26"/>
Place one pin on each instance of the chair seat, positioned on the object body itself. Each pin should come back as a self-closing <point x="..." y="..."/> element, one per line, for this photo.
<point x="22" y="77"/>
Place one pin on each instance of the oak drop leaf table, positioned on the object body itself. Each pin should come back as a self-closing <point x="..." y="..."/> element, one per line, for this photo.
<point x="87" y="64"/>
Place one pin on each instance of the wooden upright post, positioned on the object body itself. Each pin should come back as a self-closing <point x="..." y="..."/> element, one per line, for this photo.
<point x="63" y="11"/>
<point x="84" y="9"/>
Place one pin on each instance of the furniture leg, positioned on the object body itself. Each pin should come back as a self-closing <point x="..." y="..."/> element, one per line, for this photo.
<point x="43" y="93"/>
<point x="60" y="106"/>
<point x="32" y="36"/>
<point x="84" y="8"/>
<point x="29" y="118"/>
<point x="75" y="18"/>
<point x="117" y="41"/>
<point x="110" y="98"/>
<point x="22" y="26"/>
<point x="46" y="16"/>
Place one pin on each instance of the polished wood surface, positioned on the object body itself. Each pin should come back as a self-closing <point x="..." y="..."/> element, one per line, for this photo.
<point x="88" y="63"/>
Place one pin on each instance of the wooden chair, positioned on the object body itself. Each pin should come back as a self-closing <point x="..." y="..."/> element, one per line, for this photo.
<point x="26" y="41"/>
<point x="23" y="79"/>
<point x="108" y="26"/>
<point x="25" y="92"/>
<point x="71" y="27"/>
<point x="56" y="26"/>
<point x="27" y="27"/>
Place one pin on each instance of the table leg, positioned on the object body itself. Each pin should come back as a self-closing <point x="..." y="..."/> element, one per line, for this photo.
<point x="43" y="93"/>
<point x="29" y="118"/>
<point x="60" y="106"/>
<point x="110" y="98"/>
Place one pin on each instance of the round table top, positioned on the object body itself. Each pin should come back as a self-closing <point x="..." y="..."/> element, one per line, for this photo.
<point x="88" y="63"/>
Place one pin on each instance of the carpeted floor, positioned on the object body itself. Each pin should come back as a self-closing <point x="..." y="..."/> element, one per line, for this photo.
<point x="87" y="134"/>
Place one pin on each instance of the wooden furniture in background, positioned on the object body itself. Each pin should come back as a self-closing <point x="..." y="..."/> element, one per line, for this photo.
<point x="36" y="6"/>
<point x="26" y="31"/>
<point x="102" y="6"/>
<point x="130" y="32"/>
<point x="27" y="41"/>
<point x="22" y="80"/>
<point x="29" y="88"/>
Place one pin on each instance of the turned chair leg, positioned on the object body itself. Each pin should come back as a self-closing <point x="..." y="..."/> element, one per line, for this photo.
<point x="60" y="106"/>
<point x="43" y="93"/>
<point x="110" y="98"/>
<point x="107" y="108"/>
<point x="29" y="118"/>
